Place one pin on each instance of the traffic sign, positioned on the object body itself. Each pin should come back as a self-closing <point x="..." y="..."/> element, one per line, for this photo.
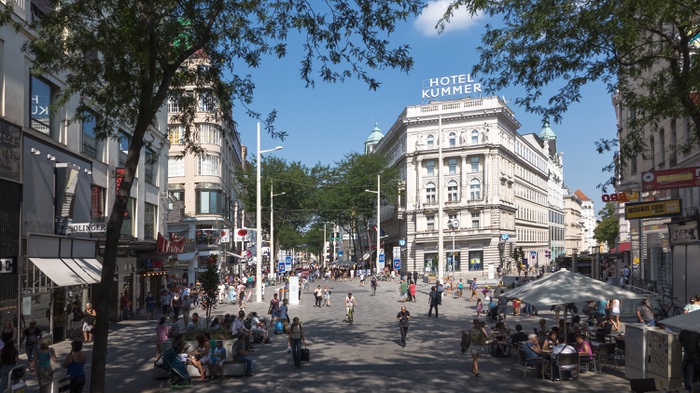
<point x="340" y="253"/>
<point x="402" y="242"/>
<point x="533" y="254"/>
<point x="381" y="258"/>
<point x="397" y="263"/>
<point x="281" y="267"/>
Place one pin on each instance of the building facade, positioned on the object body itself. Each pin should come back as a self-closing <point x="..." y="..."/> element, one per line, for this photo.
<point x="58" y="182"/>
<point x="203" y="203"/>
<point x="665" y="252"/>
<point x="464" y="160"/>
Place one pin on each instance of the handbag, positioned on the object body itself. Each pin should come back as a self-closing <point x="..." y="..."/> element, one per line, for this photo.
<point x="304" y="354"/>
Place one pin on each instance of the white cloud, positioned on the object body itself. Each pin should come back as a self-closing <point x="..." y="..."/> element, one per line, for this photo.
<point x="427" y="20"/>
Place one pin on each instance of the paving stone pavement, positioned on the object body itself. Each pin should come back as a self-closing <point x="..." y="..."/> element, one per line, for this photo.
<point x="351" y="358"/>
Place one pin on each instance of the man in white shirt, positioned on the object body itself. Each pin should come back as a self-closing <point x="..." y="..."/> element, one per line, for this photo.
<point x="238" y="328"/>
<point x="349" y="302"/>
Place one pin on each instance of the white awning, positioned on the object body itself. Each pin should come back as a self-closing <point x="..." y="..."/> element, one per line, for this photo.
<point x="188" y="256"/>
<point x="58" y="271"/>
<point x="92" y="269"/>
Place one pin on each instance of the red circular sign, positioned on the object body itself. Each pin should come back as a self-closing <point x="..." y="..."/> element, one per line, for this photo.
<point x="242" y="232"/>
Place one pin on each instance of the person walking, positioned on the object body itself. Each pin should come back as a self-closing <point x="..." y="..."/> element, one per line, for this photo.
<point x="479" y="336"/>
<point x="9" y="359"/>
<point x="75" y="367"/>
<point x="42" y="364"/>
<point x="645" y="314"/>
<point x="691" y="357"/>
<point x="412" y="291"/>
<point x="296" y="339"/>
<point x="31" y="336"/>
<point x="473" y="286"/>
<point x="403" y="316"/>
<point x="89" y="319"/>
<point x="433" y="302"/>
<point x="403" y="289"/>
<point x="318" y="296"/>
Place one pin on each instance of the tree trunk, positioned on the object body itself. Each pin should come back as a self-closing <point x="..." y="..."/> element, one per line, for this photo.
<point x="105" y="298"/>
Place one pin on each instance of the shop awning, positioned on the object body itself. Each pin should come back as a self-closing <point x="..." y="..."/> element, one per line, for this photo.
<point x="58" y="271"/>
<point x="92" y="268"/>
<point x="188" y="256"/>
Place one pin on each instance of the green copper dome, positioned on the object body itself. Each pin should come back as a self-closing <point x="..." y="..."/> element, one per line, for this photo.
<point x="547" y="132"/>
<point x="375" y="136"/>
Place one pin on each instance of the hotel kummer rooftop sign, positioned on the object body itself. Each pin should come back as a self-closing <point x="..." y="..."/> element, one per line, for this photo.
<point x="449" y="87"/>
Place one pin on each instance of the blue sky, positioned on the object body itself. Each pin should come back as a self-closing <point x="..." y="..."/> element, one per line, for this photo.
<point x="330" y="120"/>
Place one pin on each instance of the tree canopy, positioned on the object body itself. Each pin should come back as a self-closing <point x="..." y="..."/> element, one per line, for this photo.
<point x="644" y="51"/>
<point x="608" y="229"/>
<point x="123" y="59"/>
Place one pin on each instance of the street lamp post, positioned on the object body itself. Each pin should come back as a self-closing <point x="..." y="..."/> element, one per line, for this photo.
<point x="258" y="222"/>
<point x="273" y="261"/>
<point x="453" y="224"/>
<point x="379" y="223"/>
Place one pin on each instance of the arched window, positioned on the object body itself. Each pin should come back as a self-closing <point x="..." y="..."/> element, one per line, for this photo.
<point x="430" y="194"/>
<point x="452" y="191"/>
<point x="475" y="137"/>
<point x="474" y="190"/>
<point x="430" y="140"/>
<point x="452" y="139"/>
<point x="672" y="145"/>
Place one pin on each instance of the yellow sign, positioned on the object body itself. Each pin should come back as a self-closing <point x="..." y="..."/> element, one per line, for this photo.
<point x="671" y="207"/>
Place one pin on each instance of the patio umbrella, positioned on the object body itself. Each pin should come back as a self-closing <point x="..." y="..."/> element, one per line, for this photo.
<point x="567" y="287"/>
<point x="689" y="321"/>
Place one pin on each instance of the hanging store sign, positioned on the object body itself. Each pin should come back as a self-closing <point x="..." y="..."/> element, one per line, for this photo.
<point x="671" y="178"/>
<point x="450" y="87"/>
<point x="684" y="233"/>
<point x="667" y="208"/>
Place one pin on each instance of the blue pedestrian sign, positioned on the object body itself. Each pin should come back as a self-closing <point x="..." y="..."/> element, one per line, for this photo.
<point x="340" y="253"/>
<point x="381" y="258"/>
<point x="533" y="254"/>
<point x="281" y="267"/>
<point x="397" y="264"/>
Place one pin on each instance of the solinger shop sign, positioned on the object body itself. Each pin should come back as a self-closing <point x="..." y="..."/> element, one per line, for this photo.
<point x="87" y="227"/>
<point x="671" y="207"/>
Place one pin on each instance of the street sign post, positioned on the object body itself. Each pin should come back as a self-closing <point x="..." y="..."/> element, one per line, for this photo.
<point x="397" y="264"/>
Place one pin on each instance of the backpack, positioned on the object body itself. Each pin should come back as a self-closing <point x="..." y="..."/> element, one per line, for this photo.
<point x="466" y="341"/>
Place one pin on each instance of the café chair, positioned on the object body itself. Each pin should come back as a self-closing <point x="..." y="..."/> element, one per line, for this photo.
<point x="642" y="385"/>
<point x="535" y="364"/>
<point x="566" y="362"/>
<point x="604" y="353"/>
<point x="619" y="350"/>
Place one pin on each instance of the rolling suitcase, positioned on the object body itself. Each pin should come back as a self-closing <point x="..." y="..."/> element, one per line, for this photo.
<point x="304" y="354"/>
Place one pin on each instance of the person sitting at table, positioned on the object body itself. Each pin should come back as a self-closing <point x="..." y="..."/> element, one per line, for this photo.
<point x="552" y="339"/>
<point x="519" y="336"/>
<point x="541" y="331"/>
<point x="575" y="324"/>
<point x="533" y="353"/>
<point x="584" y="349"/>
<point x="501" y="334"/>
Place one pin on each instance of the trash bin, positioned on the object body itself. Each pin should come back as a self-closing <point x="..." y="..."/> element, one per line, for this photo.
<point x="18" y="379"/>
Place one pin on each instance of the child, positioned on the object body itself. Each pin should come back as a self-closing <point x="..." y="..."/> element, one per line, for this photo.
<point x="217" y="360"/>
<point x="516" y="307"/>
<point x="479" y="307"/>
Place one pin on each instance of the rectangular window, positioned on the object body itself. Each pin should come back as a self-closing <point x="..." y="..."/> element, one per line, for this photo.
<point x="430" y="168"/>
<point x="177" y="195"/>
<point x="474" y="161"/>
<point x="206" y="102"/>
<point x="40" y="101"/>
<point x="476" y="220"/>
<point x="176" y="134"/>
<point x="209" y="202"/>
<point x="430" y="223"/>
<point x="208" y="133"/>
<point x="452" y="166"/>
<point x="124" y="140"/>
<point x="208" y="165"/>
<point x="150" y="166"/>
<point x="129" y="218"/>
<point x="173" y="106"/>
<point x="633" y="165"/>
<point x="176" y="166"/>
<point x="91" y="146"/>
<point x="149" y="226"/>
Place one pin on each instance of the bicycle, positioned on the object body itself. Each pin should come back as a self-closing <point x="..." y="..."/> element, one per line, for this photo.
<point x="666" y="310"/>
<point x="351" y="313"/>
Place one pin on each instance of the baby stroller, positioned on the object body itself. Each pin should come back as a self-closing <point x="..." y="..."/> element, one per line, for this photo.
<point x="493" y="315"/>
<point x="178" y="377"/>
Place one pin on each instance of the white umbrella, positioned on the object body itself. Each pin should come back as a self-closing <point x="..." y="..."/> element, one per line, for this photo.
<point x="567" y="287"/>
<point x="689" y="321"/>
